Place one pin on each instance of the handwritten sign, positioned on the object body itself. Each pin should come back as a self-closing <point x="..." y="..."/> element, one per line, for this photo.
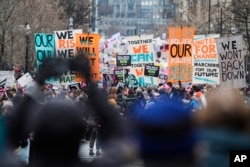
<point x="231" y="62"/>
<point x="45" y="48"/>
<point x="180" y="54"/>
<point x="89" y="45"/>
<point x="205" y="61"/>
<point x="142" y="52"/>
<point x="65" y="45"/>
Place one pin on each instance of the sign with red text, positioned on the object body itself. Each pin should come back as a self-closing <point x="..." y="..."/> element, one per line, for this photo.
<point x="142" y="52"/>
<point x="205" y="60"/>
<point x="65" y="45"/>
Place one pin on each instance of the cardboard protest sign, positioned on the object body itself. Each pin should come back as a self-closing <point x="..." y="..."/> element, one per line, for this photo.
<point x="65" y="46"/>
<point x="142" y="52"/>
<point x="7" y="78"/>
<point x="205" y="61"/>
<point x="231" y="62"/>
<point x="89" y="45"/>
<point x="151" y="70"/>
<point x="45" y="48"/>
<point x="123" y="60"/>
<point x="180" y="54"/>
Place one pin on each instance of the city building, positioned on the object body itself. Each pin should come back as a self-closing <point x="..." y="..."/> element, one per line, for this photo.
<point x="133" y="17"/>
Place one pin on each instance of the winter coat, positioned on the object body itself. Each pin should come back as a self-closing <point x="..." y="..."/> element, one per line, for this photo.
<point x="219" y="143"/>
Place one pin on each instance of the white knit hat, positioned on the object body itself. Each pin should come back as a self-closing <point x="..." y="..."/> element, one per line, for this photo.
<point x="7" y="104"/>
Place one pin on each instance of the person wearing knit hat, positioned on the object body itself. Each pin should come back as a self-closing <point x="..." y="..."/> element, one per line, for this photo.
<point x="166" y="136"/>
<point x="7" y="107"/>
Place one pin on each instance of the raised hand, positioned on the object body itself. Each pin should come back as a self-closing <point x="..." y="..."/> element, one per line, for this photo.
<point x="52" y="67"/>
<point x="81" y="64"/>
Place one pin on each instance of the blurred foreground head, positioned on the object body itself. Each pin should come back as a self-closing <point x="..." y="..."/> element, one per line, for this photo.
<point x="225" y="109"/>
<point x="58" y="128"/>
<point x="166" y="135"/>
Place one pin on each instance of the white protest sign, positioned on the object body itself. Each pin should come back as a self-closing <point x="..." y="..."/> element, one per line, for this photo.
<point x="8" y="78"/>
<point x="25" y="79"/>
<point x="231" y="62"/>
<point x="205" y="61"/>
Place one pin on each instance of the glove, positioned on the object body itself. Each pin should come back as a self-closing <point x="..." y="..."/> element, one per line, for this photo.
<point x="51" y="67"/>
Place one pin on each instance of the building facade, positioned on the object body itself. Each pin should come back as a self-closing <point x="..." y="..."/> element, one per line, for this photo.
<point x="133" y="17"/>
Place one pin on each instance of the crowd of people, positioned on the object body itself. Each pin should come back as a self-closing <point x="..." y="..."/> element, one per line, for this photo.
<point x="164" y="125"/>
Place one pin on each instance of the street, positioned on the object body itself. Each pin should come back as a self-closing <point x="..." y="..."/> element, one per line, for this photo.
<point x="84" y="155"/>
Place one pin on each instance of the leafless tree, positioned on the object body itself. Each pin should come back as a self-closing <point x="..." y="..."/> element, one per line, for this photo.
<point x="79" y="10"/>
<point x="240" y="19"/>
<point x="43" y="16"/>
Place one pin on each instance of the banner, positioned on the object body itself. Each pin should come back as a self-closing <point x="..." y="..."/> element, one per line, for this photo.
<point x="123" y="60"/>
<point x="7" y="78"/>
<point x="180" y="54"/>
<point x="45" y="48"/>
<point x="151" y="70"/>
<point x="65" y="45"/>
<point x="89" y="45"/>
<point x="231" y="62"/>
<point x="205" y="61"/>
<point x="142" y="52"/>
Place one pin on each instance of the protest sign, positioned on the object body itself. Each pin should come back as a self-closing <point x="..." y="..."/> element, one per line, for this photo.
<point x="25" y="79"/>
<point x="65" y="45"/>
<point x="163" y="74"/>
<point x="120" y="74"/>
<point x="151" y="70"/>
<point x="123" y="60"/>
<point x="45" y="48"/>
<point x="231" y="62"/>
<point x="142" y="52"/>
<point x="7" y="78"/>
<point x="88" y="44"/>
<point x="180" y="54"/>
<point x="205" y="61"/>
<point x="131" y="81"/>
